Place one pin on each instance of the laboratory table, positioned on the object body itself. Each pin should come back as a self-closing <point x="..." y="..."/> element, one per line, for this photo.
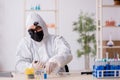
<point x="65" y="76"/>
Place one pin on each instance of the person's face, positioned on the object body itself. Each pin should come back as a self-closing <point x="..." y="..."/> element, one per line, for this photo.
<point x="37" y="29"/>
<point x="36" y="33"/>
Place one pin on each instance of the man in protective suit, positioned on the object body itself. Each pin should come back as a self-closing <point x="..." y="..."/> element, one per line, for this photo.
<point x="41" y="49"/>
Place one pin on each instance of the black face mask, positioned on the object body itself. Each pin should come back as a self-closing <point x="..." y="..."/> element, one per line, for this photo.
<point x="37" y="36"/>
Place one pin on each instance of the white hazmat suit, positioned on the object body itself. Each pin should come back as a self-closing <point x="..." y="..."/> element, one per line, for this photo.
<point x="52" y="48"/>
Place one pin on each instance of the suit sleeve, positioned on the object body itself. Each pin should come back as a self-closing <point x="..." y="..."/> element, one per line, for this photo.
<point x="23" y="57"/>
<point x="63" y="53"/>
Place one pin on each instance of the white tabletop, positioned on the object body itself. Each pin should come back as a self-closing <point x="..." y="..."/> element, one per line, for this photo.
<point x="71" y="76"/>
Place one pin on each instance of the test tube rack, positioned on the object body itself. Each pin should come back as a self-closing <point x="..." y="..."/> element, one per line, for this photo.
<point x="106" y="68"/>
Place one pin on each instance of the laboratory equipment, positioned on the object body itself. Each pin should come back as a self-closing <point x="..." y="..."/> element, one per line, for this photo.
<point x="29" y="73"/>
<point x="107" y="55"/>
<point x="105" y="68"/>
<point x="110" y="42"/>
<point x="45" y="75"/>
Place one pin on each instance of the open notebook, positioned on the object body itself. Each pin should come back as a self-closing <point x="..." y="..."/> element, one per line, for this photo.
<point x="6" y="74"/>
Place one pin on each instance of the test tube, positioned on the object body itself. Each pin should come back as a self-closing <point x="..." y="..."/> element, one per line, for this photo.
<point x="45" y="75"/>
<point x="107" y="55"/>
<point x="117" y="56"/>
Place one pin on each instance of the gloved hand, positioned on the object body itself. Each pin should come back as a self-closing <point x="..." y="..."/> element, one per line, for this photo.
<point x="38" y="65"/>
<point x="50" y="67"/>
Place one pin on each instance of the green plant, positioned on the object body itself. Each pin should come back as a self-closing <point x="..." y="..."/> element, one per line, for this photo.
<point x="86" y="27"/>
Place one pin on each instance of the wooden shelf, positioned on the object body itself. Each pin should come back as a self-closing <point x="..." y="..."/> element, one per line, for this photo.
<point x="111" y="47"/>
<point x="111" y="26"/>
<point x="41" y="10"/>
<point x="104" y="31"/>
<point x="114" y="47"/>
<point x="49" y="13"/>
<point x="110" y="6"/>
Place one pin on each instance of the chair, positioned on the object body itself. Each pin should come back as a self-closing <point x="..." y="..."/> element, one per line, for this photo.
<point x="66" y="68"/>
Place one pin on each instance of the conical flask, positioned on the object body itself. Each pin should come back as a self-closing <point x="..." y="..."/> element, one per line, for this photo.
<point x="110" y="42"/>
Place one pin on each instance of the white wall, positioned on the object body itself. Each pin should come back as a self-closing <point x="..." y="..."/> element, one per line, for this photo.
<point x="11" y="30"/>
